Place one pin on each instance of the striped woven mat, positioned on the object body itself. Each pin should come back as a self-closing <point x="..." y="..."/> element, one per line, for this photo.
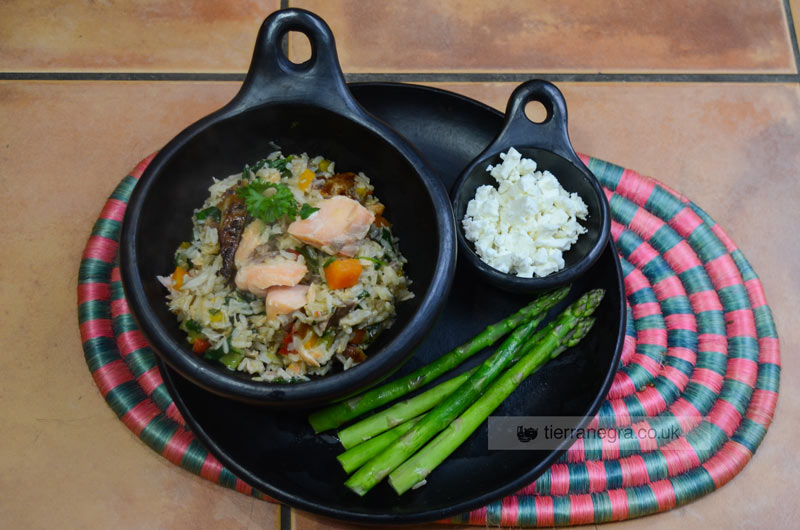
<point x="701" y="356"/>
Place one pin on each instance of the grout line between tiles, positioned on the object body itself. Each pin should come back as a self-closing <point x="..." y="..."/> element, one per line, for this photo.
<point x="286" y="517"/>
<point x="416" y="77"/>
<point x="792" y="36"/>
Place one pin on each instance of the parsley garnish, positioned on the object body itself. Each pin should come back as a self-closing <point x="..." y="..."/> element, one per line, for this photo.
<point x="307" y="210"/>
<point x="270" y="208"/>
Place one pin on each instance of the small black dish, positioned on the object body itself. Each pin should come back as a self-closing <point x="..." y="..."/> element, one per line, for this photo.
<point x="548" y="144"/>
<point x="302" y="108"/>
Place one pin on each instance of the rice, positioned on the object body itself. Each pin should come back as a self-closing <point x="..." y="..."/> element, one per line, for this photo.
<point x="230" y="325"/>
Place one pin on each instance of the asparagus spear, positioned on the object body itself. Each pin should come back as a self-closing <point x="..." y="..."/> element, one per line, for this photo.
<point x="376" y="469"/>
<point x="379" y="467"/>
<point x="419" y="466"/>
<point x="335" y="415"/>
<point x="401" y="412"/>
<point x="354" y="458"/>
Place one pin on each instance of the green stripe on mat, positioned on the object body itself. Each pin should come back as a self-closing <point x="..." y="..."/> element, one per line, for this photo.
<point x="108" y="228"/>
<point x="641" y="501"/>
<point x="663" y="204"/>
<point x="124" y="189"/>
<point x="158" y="432"/>
<point x="691" y="485"/>
<point x="527" y="511"/>
<point x="676" y="305"/>
<point x="695" y="280"/>
<point x="607" y="173"/>
<point x="765" y="325"/>
<point x="93" y="310"/>
<point x="712" y="321"/>
<point x="749" y="434"/>
<point x="124" y="397"/>
<point x="603" y="510"/>
<point x="665" y="238"/>
<point x="100" y="351"/>
<point x="194" y="458"/>
<point x="93" y="270"/>
<point x="769" y="376"/>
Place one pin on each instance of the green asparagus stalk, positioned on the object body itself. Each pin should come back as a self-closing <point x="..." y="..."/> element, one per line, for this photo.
<point x="354" y="458"/>
<point x="419" y="466"/>
<point x="335" y="415"/>
<point x="448" y="410"/>
<point x="437" y="419"/>
<point x="403" y="411"/>
<point x="397" y="414"/>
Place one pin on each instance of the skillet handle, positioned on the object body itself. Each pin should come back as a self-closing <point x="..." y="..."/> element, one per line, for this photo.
<point x="272" y="77"/>
<point x="551" y="134"/>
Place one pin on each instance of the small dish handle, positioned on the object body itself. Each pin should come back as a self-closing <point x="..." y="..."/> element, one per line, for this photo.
<point x="273" y="78"/>
<point x="518" y="130"/>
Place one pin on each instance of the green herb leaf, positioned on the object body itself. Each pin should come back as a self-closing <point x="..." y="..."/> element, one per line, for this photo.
<point x="250" y="171"/>
<point x="307" y="210"/>
<point x="213" y="311"/>
<point x="211" y="211"/>
<point x="328" y="262"/>
<point x="362" y="295"/>
<point x="387" y="237"/>
<point x="268" y="208"/>
<point x="309" y="254"/>
<point x="378" y="263"/>
<point x="212" y="354"/>
<point x="193" y="326"/>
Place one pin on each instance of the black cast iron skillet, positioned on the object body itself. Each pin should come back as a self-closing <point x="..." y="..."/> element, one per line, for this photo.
<point x="302" y="108"/>
<point x="547" y="143"/>
<point x="277" y="451"/>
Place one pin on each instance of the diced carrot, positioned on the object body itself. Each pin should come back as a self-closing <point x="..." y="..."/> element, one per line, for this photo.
<point x="306" y="178"/>
<point x="177" y="277"/>
<point x="200" y="345"/>
<point x="358" y="337"/>
<point x="380" y="221"/>
<point x="343" y="273"/>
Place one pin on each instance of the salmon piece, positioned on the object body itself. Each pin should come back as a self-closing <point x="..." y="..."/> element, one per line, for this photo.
<point x="251" y="238"/>
<point x="257" y="277"/>
<point x="283" y="300"/>
<point x="336" y="228"/>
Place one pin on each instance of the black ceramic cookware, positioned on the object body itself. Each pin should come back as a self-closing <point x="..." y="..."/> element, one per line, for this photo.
<point x="278" y="453"/>
<point x="301" y="108"/>
<point x="547" y="143"/>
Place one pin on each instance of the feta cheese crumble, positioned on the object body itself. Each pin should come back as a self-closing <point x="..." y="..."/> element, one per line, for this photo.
<point x="523" y="226"/>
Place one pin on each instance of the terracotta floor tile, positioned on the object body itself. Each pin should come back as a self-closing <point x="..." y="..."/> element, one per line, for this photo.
<point x="795" y="8"/>
<point x="566" y="36"/>
<point x="64" y="146"/>
<point x="130" y="36"/>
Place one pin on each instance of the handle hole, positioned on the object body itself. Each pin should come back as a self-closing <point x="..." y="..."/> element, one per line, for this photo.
<point x="536" y="112"/>
<point x="298" y="46"/>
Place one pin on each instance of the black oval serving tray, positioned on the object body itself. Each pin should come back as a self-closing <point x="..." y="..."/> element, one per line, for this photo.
<point x="278" y="453"/>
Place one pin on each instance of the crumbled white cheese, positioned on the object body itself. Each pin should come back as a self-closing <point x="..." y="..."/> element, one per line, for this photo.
<point x="524" y="225"/>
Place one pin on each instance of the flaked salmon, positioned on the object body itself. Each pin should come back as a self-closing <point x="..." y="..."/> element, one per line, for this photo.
<point x="337" y="228"/>
<point x="257" y="277"/>
<point x="251" y="239"/>
<point x="283" y="300"/>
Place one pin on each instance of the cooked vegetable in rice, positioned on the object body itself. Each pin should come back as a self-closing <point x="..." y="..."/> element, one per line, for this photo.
<point x="291" y="269"/>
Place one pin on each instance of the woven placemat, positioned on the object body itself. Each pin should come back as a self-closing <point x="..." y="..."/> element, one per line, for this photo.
<point x="701" y="355"/>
